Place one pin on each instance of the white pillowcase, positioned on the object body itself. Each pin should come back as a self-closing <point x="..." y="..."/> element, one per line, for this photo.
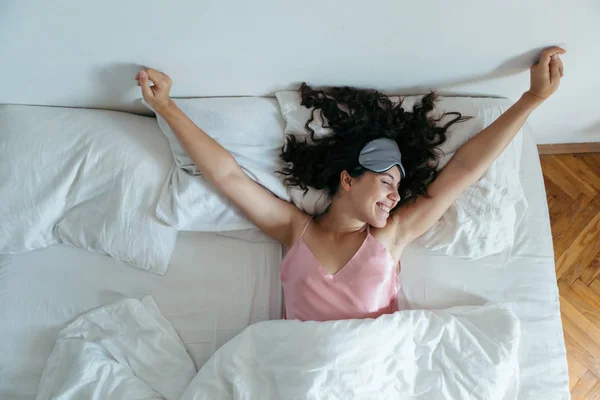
<point x="89" y="178"/>
<point x="251" y="129"/>
<point x="483" y="219"/>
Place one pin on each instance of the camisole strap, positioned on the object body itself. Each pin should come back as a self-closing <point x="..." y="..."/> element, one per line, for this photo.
<point x="306" y="227"/>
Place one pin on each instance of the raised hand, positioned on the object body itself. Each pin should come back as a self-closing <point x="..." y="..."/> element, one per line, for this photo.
<point x="546" y="74"/>
<point x="158" y="94"/>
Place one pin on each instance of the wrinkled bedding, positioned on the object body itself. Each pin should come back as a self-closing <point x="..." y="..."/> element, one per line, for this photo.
<point x="128" y="350"/>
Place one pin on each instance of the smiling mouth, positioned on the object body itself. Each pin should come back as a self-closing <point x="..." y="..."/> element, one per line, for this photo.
<point x="383" y="207"/>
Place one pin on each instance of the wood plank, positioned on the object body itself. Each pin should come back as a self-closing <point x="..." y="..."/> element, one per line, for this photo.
<point x="583" y="387"/>
<point x="591" y="272"/>
<point x="581" y="169"/>
<point x="594" y="393"/>
<point x="595" y="286"/>
<point x="557" y="174"/>
<point x="585" y="255"/>
<point x="585" y="325"/>
<point x="570" y="223"/>
<point x="583" y="307"/>
<point x="591" y="297"/>
<point x="561" y="205"/>
<point x="580" y="337"/>
<point x="552" y="188"/>
<point x="549" y="200"/>
<point x="581" y="252"/>
<point x="563" y="148"/>
<point x="568" y="173"/>
<point x="580" y="360"/>
<point x="573" y="380"/>
<point x="592" y="160"/>
<point x="575" y="209"/>
<point x="574" y="336"/>
<point x="559" y="201"/>
<point x="551" y="205"/>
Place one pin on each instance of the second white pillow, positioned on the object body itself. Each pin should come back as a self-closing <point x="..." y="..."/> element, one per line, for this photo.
<point x="251" y="129"/>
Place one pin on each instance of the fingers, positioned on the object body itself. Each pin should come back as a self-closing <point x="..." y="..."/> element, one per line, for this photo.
<point x="549" y="52"/>
<point x="154" y="75"/>
<point x="560" y="66"/>
<point x="554" y="69"/>
<point x="143" y="82"/>
<point x="159" y="78"/>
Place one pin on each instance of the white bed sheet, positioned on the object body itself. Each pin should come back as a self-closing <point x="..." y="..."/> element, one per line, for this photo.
<point x="217" y="286"/>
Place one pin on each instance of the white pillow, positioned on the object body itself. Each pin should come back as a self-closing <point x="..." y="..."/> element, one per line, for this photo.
<point x="251" y="129"/>
<point x="89" y="178"/>
<point x="483" y="219"/>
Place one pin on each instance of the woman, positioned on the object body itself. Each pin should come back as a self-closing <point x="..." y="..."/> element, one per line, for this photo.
<point x="342" y="264"/>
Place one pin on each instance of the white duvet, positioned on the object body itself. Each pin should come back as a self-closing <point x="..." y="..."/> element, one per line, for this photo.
<point x="127" y="350"/>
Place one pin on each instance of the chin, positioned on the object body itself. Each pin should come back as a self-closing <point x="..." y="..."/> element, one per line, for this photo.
<point x="378" y="222"/>
<point x="378" y="218"/>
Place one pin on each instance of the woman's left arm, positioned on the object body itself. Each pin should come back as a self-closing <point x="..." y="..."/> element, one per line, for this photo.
<point x="475" y="157"/>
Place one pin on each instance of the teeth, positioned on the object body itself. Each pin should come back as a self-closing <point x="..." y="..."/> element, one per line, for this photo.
<point x="384" y="208"/>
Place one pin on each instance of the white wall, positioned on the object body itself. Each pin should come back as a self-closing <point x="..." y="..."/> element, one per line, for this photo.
<point x="86" y="53"/>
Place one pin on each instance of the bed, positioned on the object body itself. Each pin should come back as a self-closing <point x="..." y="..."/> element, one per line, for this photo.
<point x="216" y="286"/>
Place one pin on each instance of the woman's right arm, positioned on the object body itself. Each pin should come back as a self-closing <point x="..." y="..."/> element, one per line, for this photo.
<point x="276" y="217"/>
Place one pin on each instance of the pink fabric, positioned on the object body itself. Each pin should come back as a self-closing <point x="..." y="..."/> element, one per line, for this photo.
<point x="366" y="287"/>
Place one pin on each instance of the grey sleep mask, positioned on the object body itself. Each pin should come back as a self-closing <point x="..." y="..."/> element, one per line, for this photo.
<point x="380" y="155"/>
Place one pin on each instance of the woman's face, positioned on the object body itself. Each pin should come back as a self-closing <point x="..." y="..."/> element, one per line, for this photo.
<point x="375" y="194"/>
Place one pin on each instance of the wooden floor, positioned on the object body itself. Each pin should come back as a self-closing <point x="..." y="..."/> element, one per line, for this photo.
<point x="573" y="193"/>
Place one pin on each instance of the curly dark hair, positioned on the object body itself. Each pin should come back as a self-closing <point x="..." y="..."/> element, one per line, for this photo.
<point x="357" y="116"/>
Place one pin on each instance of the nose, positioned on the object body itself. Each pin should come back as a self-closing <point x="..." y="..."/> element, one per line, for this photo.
<point x="395" y="196"/>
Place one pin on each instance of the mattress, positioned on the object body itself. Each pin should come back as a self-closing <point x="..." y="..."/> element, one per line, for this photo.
<point x="216" y="286"/>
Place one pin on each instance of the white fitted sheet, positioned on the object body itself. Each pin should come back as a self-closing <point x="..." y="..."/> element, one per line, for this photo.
<point x="216" y="286"/>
